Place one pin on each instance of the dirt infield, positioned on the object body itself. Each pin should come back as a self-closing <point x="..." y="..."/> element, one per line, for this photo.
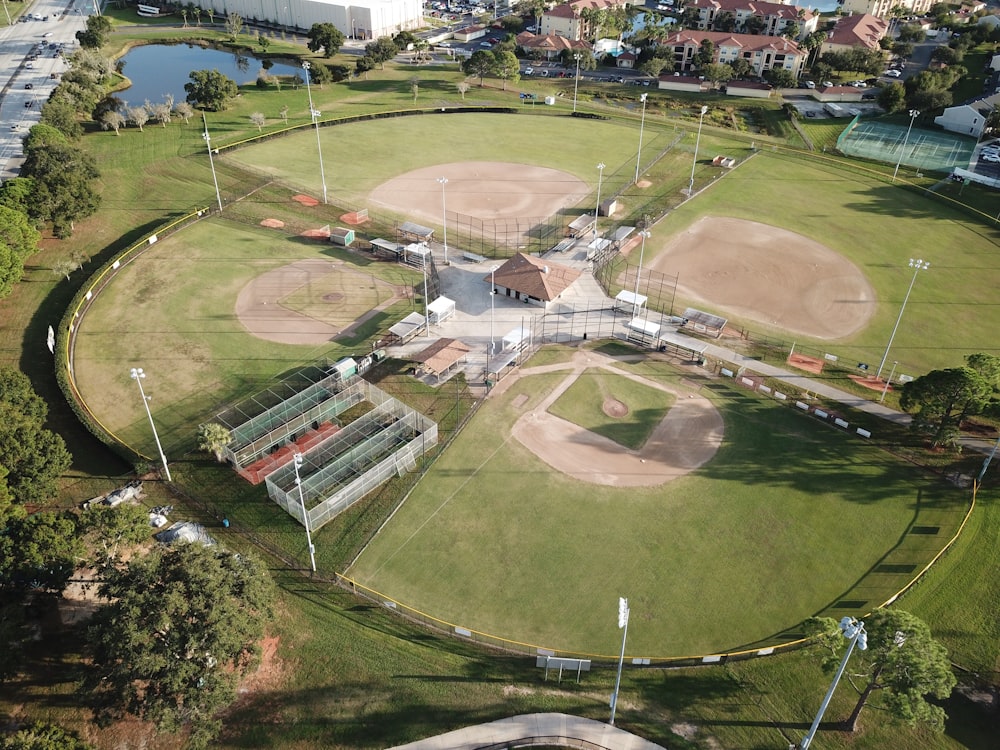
<point x="483" y="189"/>
<point x="688" y="436"/>
<point x="769" y="275"/>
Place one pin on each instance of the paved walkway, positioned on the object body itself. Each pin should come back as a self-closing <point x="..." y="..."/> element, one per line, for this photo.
<point x="590" y="733"/>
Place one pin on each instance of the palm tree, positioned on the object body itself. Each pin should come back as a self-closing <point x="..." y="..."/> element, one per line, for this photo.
<point x="213" y="438"/>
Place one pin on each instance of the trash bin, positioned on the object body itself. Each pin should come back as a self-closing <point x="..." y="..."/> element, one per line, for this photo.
<point x="225" y="523"/>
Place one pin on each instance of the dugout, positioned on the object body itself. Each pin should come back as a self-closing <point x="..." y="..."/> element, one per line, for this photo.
<point x="581" y="226"/>
<point x="703" y="322"/>
<point x="410" y="232"/>
<point x="620" y="235"/>
<point x="630" y="302"/>
<point x="387" y="249"/>
<point x="440" y="310"/>
<point x="642" y="331"/>
<point x="517" y="339"/>
<point x="416" y="254"/>
<point x="682" y="346"/>
<point x="405" y="329"/>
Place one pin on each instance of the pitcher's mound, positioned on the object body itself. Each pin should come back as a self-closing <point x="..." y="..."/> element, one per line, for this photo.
<point x="305" y="200"/>
<point x="614" y="408"/>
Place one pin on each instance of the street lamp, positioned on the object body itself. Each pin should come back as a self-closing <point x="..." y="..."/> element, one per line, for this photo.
<point x="855" y="632"/>
<point x="315" y="119"/>
<point x="623" y="612"/>
<point x="211" y="161"/>
<point x="600" y="179"/>
<point x="697" y="142"/>
<point x="297" y="462"/>
<point x="642" y="124"/>
<point x="887" y="382"/>
<point x="913" y="116"/>
<point x="137" y="376"/>
<point x="493" y="292"/>
<point x="444" y="216"/>
<point x="576" y="83"/>
<point x="917" y="265"/>
<point x="642" y="251"/>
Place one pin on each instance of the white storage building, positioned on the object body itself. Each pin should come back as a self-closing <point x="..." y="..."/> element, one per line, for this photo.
<point x="360" y="19"/>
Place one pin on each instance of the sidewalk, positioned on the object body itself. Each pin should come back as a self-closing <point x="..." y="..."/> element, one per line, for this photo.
<point x="501" y="733"/>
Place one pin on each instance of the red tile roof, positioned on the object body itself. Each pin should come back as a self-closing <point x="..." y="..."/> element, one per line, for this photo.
<point x="541" y="279"/>
<point x="572" y="9"/>
<point x="749" y="42"/>
<point x="550" y="43"/>
<point x="860" y="29"/>
<point x="790" y="12"/>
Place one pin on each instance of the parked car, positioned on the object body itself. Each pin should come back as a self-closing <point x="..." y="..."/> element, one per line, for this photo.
<point x="893" y="73"/>
<point x="29" y="85"/>
<point x="529" y="71"/>
<point x="827" y="84"/>
<point x="544" y="74"/>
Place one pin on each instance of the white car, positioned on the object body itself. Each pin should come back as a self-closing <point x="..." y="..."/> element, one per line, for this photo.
<point x="893" y="74"/>
<point x="529" y="71"/>
<point x="992" y="158"/>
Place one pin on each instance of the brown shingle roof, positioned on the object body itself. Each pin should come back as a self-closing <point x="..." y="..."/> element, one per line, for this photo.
<point x="550" y="43"/>
<point x="541" y="279"/>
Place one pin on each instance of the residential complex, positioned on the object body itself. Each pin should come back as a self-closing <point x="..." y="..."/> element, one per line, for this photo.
<point x="861" y="30"/>
<point x="568" y="19"/>
<point x="361" y="19"/>
<point x="884" y="8"/>
<point x="774" y="16"/>
<point x="762" y="52"/>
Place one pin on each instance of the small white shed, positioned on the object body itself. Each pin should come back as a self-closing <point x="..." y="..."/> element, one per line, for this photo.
<point x="440" y="310"/>
<point x="630" y="302"/>
<point x="517" y="339"/>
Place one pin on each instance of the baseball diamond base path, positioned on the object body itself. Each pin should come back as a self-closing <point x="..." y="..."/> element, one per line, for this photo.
<point x="484" y="189"/>
<point x="770" y="275"/>
<point x="688" y="436"/>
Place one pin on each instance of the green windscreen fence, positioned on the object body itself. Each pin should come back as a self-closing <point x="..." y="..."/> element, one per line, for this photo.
<point x="931" y="150"/>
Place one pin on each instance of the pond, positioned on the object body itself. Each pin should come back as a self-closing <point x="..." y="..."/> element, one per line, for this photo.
<point x="159" y="69"/>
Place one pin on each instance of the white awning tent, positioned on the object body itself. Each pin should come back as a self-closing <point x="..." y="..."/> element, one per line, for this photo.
<point x="516" y="339"/>
<point x="407" y="328"/>
<point x="440" y="310"/>
<point x="630" y="301"/>
<point x="644" y="331"/>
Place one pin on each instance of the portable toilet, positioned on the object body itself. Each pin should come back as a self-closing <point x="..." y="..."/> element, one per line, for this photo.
<point x="344" y="368"/>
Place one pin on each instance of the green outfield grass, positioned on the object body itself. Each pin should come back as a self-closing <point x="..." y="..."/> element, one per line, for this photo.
<point x="730" y="555"/>
<point x="582" y="405"/>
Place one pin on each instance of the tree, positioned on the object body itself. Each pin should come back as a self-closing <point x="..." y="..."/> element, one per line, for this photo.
<point x="18" y="240"/>
<point x="947" y="55"/>
<point x="326" y="37"/>
<point x="404" y="39"/>
<point x="943" y="398"/>
<point x="507" y="67"/>
<point x="724" y="21"/>
<point x="63" y="179"/>
<point x="320" y="75"/>
<point x="911" y="33"/>
<point x="903" y="49"/>
<point x="96" y="33"/>
<point x="652" y="67"/>
<point x="161" y="111"/>
<point x="33" y="455"/>
<point x="902" y="661"/>
<point x="780" y="78"/>
<point x="283" y="114"/>
<point x="892" y="97"/>
<point x="382" y="50"/>
<point x="791" y="30"/>
<point x="705" y="54"/>
<point x="717" y="73"/>
<point x="756" y="25"/>
<point x="462" y="87"/>
<point x="363" y="64"/>
<point x="258" y="119"/>
<point x="65" y="267"/>
<point x="479" y="64"/>
<point x="213" y="438"/>
<point x="39" y="552"/>
<point x="62" y="114"/>
<point x="178" y="633"/>
<point x="15" y="194"/>
<point x="210" y="89"/>
<point x="112" y="120"/>
<point x="184" y="111"/>
<point x="138" y="115"/>
<point x="234" y="26"/>
<point x="106" y="530"/>
<point x="511" y="24"/>
<point x="264" y="42"/>
<point x="741" y="67"/>
<point x="40" y="736"/>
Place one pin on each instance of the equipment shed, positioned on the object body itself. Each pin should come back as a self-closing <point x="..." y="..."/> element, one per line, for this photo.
<point x="440" y="310"/>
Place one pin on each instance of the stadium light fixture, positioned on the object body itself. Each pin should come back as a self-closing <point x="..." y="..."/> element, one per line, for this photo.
<point x="623" y="613"/>
<point x="315" y="119"/>
<point x="913" y="116"/>
<point x="917" y="265"/>
<point x="493" y="293"/>
<point x="137" y="376"/>
<point x="444" y="216"/>
<point x="597" y="210"/>
<point x="856" y="635"/>
<point x="642" y="125"/>
<point x="211" y="161"/>
<point x="297" y="462"/>
<point x="697" y="143"/>
<point x="576" y="83"/>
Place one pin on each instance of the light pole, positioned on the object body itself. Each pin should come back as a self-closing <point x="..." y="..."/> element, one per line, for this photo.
<point x="697" y="143"/>
<point x="597" y="210"/>
<point x="855" y="632"/>
<point x="305" y="516"/>
<point x="642" y="125"/>
<point x="917" y="265"/>
<point x="427" y="312"/>
<point x="887" y="382"/>
<point x="576" y="83"/>
<point x="642" y="251"/>
<point x="623" y="612"/>
<point x="444" y="216"/>
<point x="137" y="376"/>
<point x="211" y="161"/>
<point x="315" y="119"/>
<point x="493" y="292"/>
<point x="913" y="116"/>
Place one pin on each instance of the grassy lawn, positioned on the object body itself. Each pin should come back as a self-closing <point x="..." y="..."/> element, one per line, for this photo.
<point x="582" y="404"/>
<point x="737" y="552"/>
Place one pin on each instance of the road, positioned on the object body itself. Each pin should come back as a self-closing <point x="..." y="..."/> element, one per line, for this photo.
<point x="29" y="57"/>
